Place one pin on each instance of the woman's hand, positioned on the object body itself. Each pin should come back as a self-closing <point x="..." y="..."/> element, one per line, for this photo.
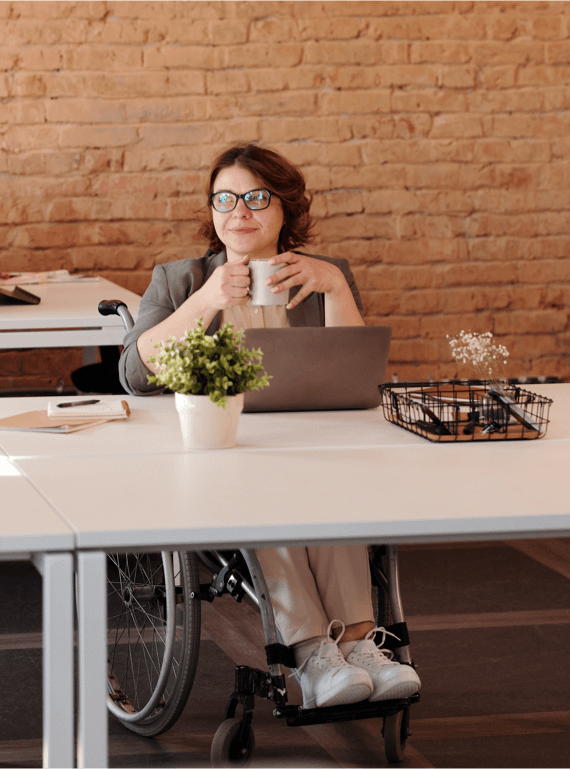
<point x="311" y="274"/>
<point x="227" y="285"/>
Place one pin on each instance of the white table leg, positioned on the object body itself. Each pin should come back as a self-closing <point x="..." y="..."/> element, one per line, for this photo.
<point x="58" y="668"/>
<point x="93" y="731"/>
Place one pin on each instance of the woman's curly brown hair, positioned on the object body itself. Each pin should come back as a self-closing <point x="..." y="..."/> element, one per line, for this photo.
<point x="281" y="178"/>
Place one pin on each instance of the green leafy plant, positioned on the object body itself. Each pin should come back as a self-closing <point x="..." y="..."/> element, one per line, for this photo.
<point x="215" y="365"/>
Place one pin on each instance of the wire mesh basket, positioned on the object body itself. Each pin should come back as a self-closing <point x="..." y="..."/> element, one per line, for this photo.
<point x="466" y="411"/>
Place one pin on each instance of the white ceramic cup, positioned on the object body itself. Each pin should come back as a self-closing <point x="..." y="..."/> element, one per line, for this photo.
<point x="259" y="293"/>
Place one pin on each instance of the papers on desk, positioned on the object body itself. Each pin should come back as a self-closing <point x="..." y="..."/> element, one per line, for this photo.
<point x="64" y="421"/>
<point x="115" y="409"/>
<point x="31" y="278"/>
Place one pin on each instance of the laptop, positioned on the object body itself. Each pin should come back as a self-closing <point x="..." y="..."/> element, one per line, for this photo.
<point x="315" y="368"/>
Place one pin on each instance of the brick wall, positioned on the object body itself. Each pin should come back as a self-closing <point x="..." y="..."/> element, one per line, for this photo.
<point x="435" y="136"/>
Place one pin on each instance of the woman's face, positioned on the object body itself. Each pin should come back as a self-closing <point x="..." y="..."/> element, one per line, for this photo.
<point x="242" y="231"/>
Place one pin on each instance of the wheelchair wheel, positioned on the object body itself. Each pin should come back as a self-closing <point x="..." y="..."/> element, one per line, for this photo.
<point x="395" y="735"/>
<point x="153" y="637"/>
<point x="228" y="748"/>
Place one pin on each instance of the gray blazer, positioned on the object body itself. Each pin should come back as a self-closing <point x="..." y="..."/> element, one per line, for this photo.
<point x="174" y="282"/>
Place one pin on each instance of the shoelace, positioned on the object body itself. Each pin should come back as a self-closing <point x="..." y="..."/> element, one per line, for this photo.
<point x="388" y="654"/>
<point x="327" y="640"/>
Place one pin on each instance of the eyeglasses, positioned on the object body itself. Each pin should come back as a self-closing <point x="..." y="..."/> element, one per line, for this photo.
<point x="225" y="201"/>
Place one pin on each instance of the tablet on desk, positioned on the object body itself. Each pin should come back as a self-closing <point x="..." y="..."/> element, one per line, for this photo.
<point x="316" y="368"/>
<point x="17" y="295"/>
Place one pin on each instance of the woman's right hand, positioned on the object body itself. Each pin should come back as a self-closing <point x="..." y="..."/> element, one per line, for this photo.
<point x="227" y="285"/>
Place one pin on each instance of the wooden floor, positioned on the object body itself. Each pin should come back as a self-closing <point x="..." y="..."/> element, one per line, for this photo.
<point x="490" y="632"/>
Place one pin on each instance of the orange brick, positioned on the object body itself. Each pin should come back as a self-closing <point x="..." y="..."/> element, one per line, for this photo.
<point x="222" y="33"/>
<point x="288" y="103"/>
<point x="459" y="76"/>
<point x="93" y="136"/>
<point x="343" y="202"/>
<point x="112" y="58"/>
<point x="515" y="100"/>
<point x="160" y="10"/>
<point x="27" y="137"/>
<point x="409" y="350"/>
<point x="36" y="57"/>
<point x="24" y="32"/>
<point x="497" y="77"/>
<point x="77" y="110"/>
<point x="439" y="51"/>
<point x="512" y="151"/>
<point x="58" y="9"/>
<point x="227" y="81"/>
<point x="548" y="27"/>
<point x="507" y="26"/>
<point x="359" y="252"/>
<point x="363" y="52"/>
<point x="177" y="57"/>
<point x="341" y="102"/>
<point x="277" y="30"/>
<point x="360" y="225"/>
<point x="558" y="53"/>
<point x="452" y="124"/>
<point x="544" y="271"/>
<point x="332" y="28"/>
<point x="399" y="126"/>
<point x="294" y="129"/>
<point x="381" y="303"/>
<point x="518" y="52"/>
<point x="22" y="111"/>
<point x="137" y="282"/>
<point x="407" y="74"/>
<point x="404" y="327"/>
<point x="531" y="322"/>
<point x="429" y="100"/>
<point x="25" y="84"/>
<point x="257" y="55"/>
<point x="130" y="32"/>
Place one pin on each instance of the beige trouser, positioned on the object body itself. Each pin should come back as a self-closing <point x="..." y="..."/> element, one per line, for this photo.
<point x="311" y="586"/>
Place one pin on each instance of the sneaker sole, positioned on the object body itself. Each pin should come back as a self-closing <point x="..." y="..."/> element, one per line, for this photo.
<point x="399" y="691"/>
<point x="345" y="696"/>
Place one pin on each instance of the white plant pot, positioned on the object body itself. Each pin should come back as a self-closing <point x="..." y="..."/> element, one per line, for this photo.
<point x="205" y="425"/>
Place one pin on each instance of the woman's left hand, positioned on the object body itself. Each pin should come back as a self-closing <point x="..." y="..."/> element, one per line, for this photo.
<point x="311" y="274"/>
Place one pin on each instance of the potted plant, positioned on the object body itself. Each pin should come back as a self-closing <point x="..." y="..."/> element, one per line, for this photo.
<point x="209" y="375"/>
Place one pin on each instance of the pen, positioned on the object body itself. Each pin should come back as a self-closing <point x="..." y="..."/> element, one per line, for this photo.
<point x="76" y="403"/>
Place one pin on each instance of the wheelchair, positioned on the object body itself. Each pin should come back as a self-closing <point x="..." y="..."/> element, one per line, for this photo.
<point x="154" y="609"/>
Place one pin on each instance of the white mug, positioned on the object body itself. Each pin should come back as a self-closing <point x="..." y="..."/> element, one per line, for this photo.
<point x="259" y="293"/>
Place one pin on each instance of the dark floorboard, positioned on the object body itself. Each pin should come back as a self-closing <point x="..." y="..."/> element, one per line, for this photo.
<point x="491" y="696"/>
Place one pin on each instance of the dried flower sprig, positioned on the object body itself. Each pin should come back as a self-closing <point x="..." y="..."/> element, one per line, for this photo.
<point x="479" y="352"/>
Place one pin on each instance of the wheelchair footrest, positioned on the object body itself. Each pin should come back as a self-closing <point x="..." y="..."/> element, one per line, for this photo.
<point x="251" y="681"/>
<point x="299" y="716"/>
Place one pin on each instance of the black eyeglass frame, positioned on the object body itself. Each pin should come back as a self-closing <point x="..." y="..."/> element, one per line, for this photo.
<point x="242" y="197"/>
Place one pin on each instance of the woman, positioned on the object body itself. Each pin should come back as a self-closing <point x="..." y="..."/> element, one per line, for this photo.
<point x="259" y="209"/>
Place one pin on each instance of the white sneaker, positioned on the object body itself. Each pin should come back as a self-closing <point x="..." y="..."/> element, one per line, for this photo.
<point x="389" y="679"/>
<point x="327" y="679"/>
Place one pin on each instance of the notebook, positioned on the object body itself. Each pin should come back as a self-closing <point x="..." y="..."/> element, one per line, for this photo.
<point x="315" y="368"/>
<point x="41" y="422"/>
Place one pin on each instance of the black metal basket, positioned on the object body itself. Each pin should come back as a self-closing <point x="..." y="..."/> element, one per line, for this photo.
<point x="466" y="410"/>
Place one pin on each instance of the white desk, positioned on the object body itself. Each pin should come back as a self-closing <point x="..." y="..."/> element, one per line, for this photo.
<point x="154" y="429"/>
<point x="31" y="529"/>
<point x="67" y="316"/>
<point x="313" y="478"/>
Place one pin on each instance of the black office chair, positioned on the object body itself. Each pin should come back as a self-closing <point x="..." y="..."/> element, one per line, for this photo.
<point x="103" y="378"/>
